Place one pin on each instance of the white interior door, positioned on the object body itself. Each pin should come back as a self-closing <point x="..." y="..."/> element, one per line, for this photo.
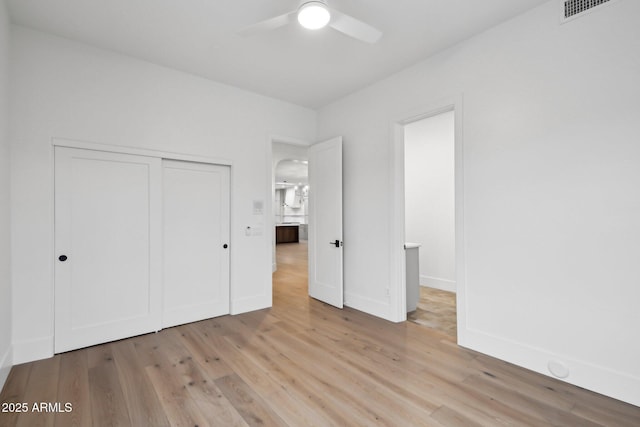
<point x="325" y="222"/>
<point x="196" y="239"/>
<point x="107" y="244"/>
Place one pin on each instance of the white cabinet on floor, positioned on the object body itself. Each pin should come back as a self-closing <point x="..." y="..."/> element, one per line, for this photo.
<point x="412" y="275"/>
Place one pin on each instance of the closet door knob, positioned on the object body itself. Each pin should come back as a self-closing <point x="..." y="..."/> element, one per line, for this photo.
<point x="225" y="246"/>
<point x="62" y="258"/>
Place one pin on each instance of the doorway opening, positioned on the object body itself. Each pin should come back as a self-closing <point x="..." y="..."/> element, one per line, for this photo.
<point x="291" y="213"/>
<point x="290" y="202"/>
<point x="310" y="206"/>
<point x="429" y="193"/>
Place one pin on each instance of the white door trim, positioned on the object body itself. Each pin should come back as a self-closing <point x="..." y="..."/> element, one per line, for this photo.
<point x="397" y="207"/>
<point x="169" y="155"/>
<point x="270" y="191"/>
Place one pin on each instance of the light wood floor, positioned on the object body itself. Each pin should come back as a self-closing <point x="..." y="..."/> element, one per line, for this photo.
<point x="300" y="363"/>
<point x="436" y="309"/>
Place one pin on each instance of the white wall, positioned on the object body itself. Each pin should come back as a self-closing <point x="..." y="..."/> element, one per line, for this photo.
<point x="429" y="197"/>
<point x="5" y="226"/>
<point x="68" y="90"/>
<point x="551" y="200"/>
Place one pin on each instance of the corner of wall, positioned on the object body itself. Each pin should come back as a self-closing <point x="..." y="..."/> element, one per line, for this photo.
<point x="6" y="357"/>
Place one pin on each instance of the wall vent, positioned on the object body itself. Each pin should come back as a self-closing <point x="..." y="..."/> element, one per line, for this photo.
<point x="575" y="8"/>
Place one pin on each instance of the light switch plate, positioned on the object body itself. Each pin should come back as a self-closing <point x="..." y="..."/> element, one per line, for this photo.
<point x="258" y="207"/>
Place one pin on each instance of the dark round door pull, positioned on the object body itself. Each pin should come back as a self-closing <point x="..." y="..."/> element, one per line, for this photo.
<point x="62" y="258"/>
<point x="225" y="246"/>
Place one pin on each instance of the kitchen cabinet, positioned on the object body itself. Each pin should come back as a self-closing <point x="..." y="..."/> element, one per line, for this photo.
<point x="287" y="233"/>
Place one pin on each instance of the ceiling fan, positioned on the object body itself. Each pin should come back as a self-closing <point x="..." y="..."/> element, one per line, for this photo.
<point x="316" y="14"/>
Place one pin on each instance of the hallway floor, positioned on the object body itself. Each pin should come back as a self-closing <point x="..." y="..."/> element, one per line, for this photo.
<point x="437" y="310"/>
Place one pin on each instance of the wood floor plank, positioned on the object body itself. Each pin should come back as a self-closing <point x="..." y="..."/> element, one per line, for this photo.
<point x="396" y="377"/>
<point x="607" y="415"/>
<point x="73" y="389"/>
<point x="42" y="388"/>
<point x="220" y="412"/>
<point x="213" y="405"/>
<point x="413" y="358"/>
<point x="146" y="346"/>
<point x="312" y="402"/>
<point x="204" y="354"/>
<point x="297" y="402"/>
<point x="108" y="404"/>
<point x="13" y="392"/>
<point x="364" y="388"/>
<point x="178" y="406"/>
<point x="436" y="309"/>
<point x="254" y="410"/>
<point x="143" y="405"/>
<point x="451" y="418"/>
<point x="545" y="413"/>
<point x="181" y="411"/>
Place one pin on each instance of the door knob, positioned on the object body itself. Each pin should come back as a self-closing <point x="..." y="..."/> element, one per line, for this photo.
<point x="62" y="258"/>
<point x="335" y="243"/>
<point x="225" y="246"/>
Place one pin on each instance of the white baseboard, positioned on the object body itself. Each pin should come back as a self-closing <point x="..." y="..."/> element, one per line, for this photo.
<point x="599" y="379"/>
<point x="28" y="351"/>
<point x="6" y="361"/>
<point x="438" y="283"/>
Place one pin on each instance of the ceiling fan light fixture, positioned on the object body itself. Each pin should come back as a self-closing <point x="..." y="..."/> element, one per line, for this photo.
<point x="313" y="15"/>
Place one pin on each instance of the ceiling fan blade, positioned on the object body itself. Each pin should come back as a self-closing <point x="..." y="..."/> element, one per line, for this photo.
<point x="268" y="24"/>
<point x="353" y="27"/>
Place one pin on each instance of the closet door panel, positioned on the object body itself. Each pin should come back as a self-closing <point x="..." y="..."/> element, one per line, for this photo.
<point x="107" y="241"/>
<point x="195" y="232"/>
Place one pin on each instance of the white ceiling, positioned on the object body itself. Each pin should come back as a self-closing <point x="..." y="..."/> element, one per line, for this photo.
<point x="307" y="68"/>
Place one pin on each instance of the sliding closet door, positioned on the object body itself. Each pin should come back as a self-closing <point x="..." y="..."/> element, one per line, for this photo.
<point x="107" y="246"/>
<point x="196" y="241"/>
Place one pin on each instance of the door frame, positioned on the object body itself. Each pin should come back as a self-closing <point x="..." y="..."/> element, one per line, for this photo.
<point x="169" y="155"/>
<point x="270" y="194"/>
<point x="397" y="207"/>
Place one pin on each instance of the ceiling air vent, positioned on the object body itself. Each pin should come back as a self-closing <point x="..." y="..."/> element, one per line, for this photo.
<point x="575" y="8"/>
